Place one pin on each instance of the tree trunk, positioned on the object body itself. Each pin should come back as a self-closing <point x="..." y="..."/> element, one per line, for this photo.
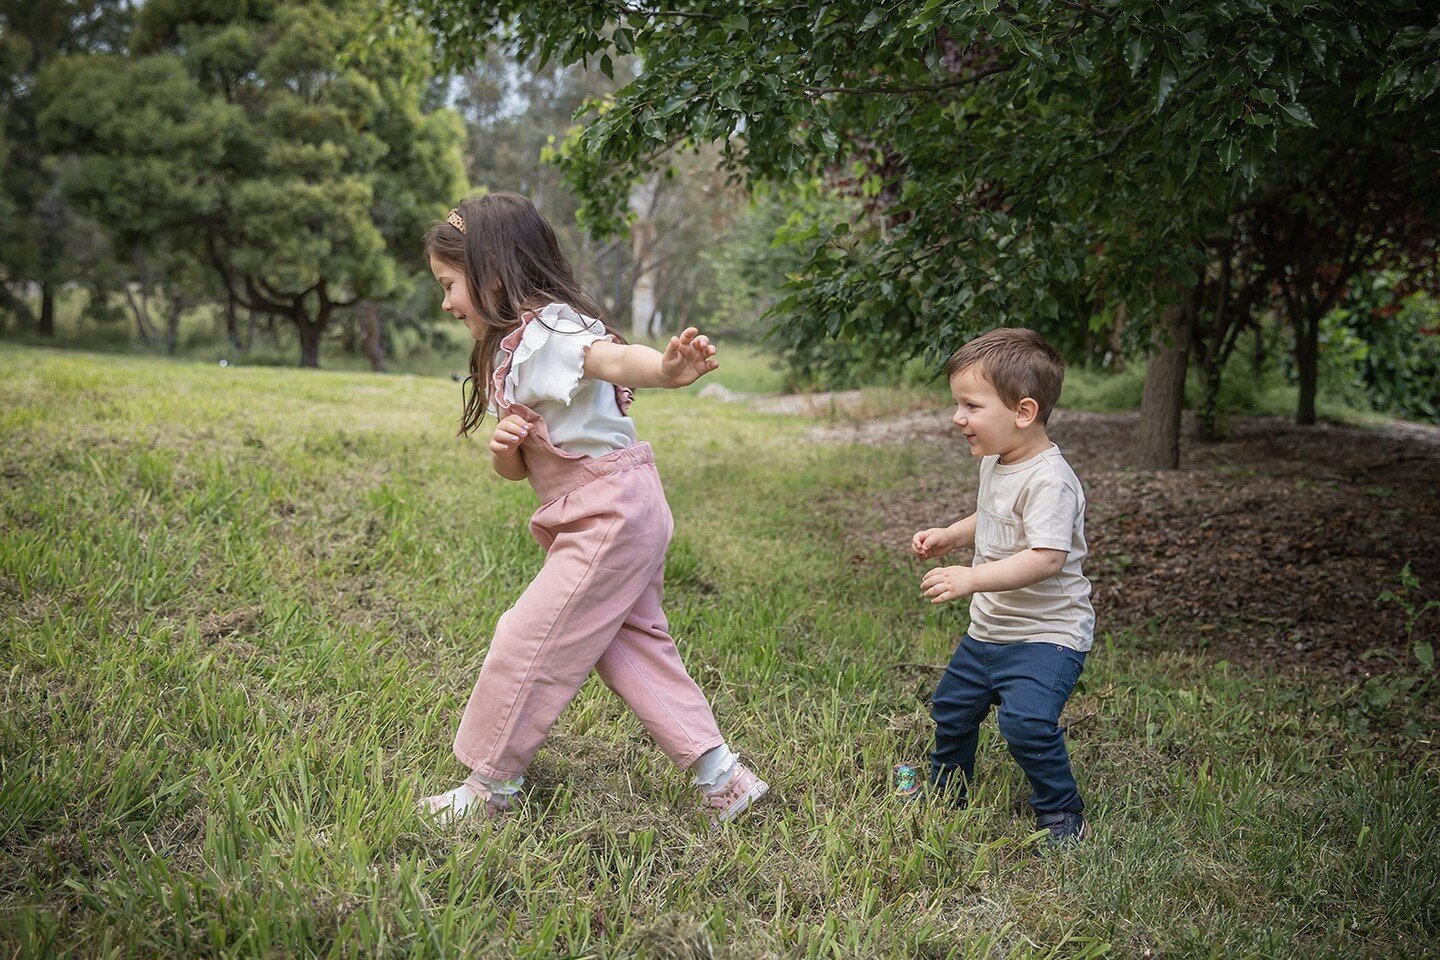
<point x="47" y="309"/>
<point x="172" y="324"/>
<point x="642" y="289"/>
<point x="1164" y="397"/>
<point x="15" y="306"/>
<point x="1115" y="355"/>
<point x="368" y="316"/>
<point x="232" y="325"/>
<point x="1208" y="417"/>
<point x="1307" y="363"/>
<point x="309" y="342"/>
<point x="141" y="311"/>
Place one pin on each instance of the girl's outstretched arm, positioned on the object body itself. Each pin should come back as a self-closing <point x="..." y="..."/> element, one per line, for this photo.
<point x="686" y="359"/>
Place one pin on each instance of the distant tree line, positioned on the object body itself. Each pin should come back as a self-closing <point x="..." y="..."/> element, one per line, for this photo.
<point x="281" y="161"/>
<point x="175" y="152"/>
<point x="876" y="182"/>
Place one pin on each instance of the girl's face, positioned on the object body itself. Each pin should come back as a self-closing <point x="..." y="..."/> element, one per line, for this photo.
<point x="457" y="295"/>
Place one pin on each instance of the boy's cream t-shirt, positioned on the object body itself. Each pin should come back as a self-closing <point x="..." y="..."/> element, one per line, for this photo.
<point x="1037" y="503"/>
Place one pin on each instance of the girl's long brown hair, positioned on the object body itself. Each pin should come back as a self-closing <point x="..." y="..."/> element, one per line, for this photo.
<point x="512" y="263"/>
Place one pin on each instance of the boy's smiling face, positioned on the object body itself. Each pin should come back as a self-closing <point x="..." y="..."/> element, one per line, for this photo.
<point x="989" y="426"/>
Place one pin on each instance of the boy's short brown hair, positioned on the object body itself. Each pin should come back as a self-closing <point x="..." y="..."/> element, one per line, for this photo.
<point x="1018" y="362"/>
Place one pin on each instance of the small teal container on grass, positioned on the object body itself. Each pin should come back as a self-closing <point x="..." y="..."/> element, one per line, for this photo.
<point x="907" y="782"/>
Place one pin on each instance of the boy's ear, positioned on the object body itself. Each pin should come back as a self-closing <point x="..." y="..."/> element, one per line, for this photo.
<point x="1026" y="411"/>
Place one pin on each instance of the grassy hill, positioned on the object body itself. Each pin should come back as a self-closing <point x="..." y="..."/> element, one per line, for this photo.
<point x="242" y="609"/>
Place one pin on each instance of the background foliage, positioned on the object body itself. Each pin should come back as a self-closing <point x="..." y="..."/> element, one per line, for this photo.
<point x="265" y="170"/>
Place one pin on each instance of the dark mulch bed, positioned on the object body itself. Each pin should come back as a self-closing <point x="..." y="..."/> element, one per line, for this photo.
<point x="1268" y="548"/>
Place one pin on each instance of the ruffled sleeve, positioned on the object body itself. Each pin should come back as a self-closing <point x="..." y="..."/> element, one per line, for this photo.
<point x="549" y="361"/>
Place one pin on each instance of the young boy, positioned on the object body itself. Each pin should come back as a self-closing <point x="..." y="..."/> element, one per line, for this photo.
<point x="1030" y="620"/>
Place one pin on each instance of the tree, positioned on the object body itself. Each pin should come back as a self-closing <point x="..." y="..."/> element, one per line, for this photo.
<point x="244" y="139"/>
<point x="1006" y="152"/>
<point x="1373" y="208"/>
<point x="35" y="252"/>
<point x="519" y="112"/>
<point x="515" y="113"/>
<point x="1227" y="299"/>
<point x="1348" y="194"/>
<point x="1386" y="336"/>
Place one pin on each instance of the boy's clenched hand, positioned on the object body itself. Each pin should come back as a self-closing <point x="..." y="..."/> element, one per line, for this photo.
<point x="932" y="543"/>
<point x="943" y="584"/>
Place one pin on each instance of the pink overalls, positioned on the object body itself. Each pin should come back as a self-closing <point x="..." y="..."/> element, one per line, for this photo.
<point x="605" y="527"/>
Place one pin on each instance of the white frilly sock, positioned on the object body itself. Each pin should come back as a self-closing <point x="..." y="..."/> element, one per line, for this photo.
<point x="714" y="768"/>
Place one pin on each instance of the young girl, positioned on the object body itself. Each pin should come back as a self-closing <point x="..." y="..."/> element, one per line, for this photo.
<point x="557" y="379"/>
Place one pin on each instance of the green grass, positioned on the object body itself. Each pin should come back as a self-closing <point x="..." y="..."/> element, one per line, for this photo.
<point x="748" y="366"/>
<point x="242" y="609"/>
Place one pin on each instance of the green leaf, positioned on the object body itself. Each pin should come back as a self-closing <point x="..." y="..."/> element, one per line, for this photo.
<point x="1298" y="114"/>
<point x="1137" y="51"/>
<point x="1229" y="154"/>
<point x="1260" y="58"/>
<point x="1425" y="653"/>
<point x="1164" y="83"/>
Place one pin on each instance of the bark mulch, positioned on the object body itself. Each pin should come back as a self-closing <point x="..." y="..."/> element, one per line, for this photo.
<point x="1268" y="549"/>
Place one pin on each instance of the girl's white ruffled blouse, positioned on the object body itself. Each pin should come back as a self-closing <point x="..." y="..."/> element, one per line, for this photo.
<point x="547" y="375"/>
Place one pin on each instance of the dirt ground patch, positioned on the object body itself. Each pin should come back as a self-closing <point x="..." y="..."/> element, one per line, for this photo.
<point x="1268" y="548"/>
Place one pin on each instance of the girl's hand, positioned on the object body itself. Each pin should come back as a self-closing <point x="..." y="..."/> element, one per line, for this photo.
<point x="932" y="543"/>
<point x="687" y="358"/>
<point x="943" y="584"/>
<point x="509" y="434"/>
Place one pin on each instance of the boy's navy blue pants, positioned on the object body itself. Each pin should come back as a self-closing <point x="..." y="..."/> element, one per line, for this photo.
<point x="1030" y="682"/>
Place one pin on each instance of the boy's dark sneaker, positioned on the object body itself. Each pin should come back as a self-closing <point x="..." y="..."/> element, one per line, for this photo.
<point x="1065" y="828"/>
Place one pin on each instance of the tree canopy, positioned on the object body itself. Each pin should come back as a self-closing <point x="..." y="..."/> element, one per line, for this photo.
<point x="1013" y="159"/>
<point x="34" y="214"/>
<point x="300" y="178"/>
